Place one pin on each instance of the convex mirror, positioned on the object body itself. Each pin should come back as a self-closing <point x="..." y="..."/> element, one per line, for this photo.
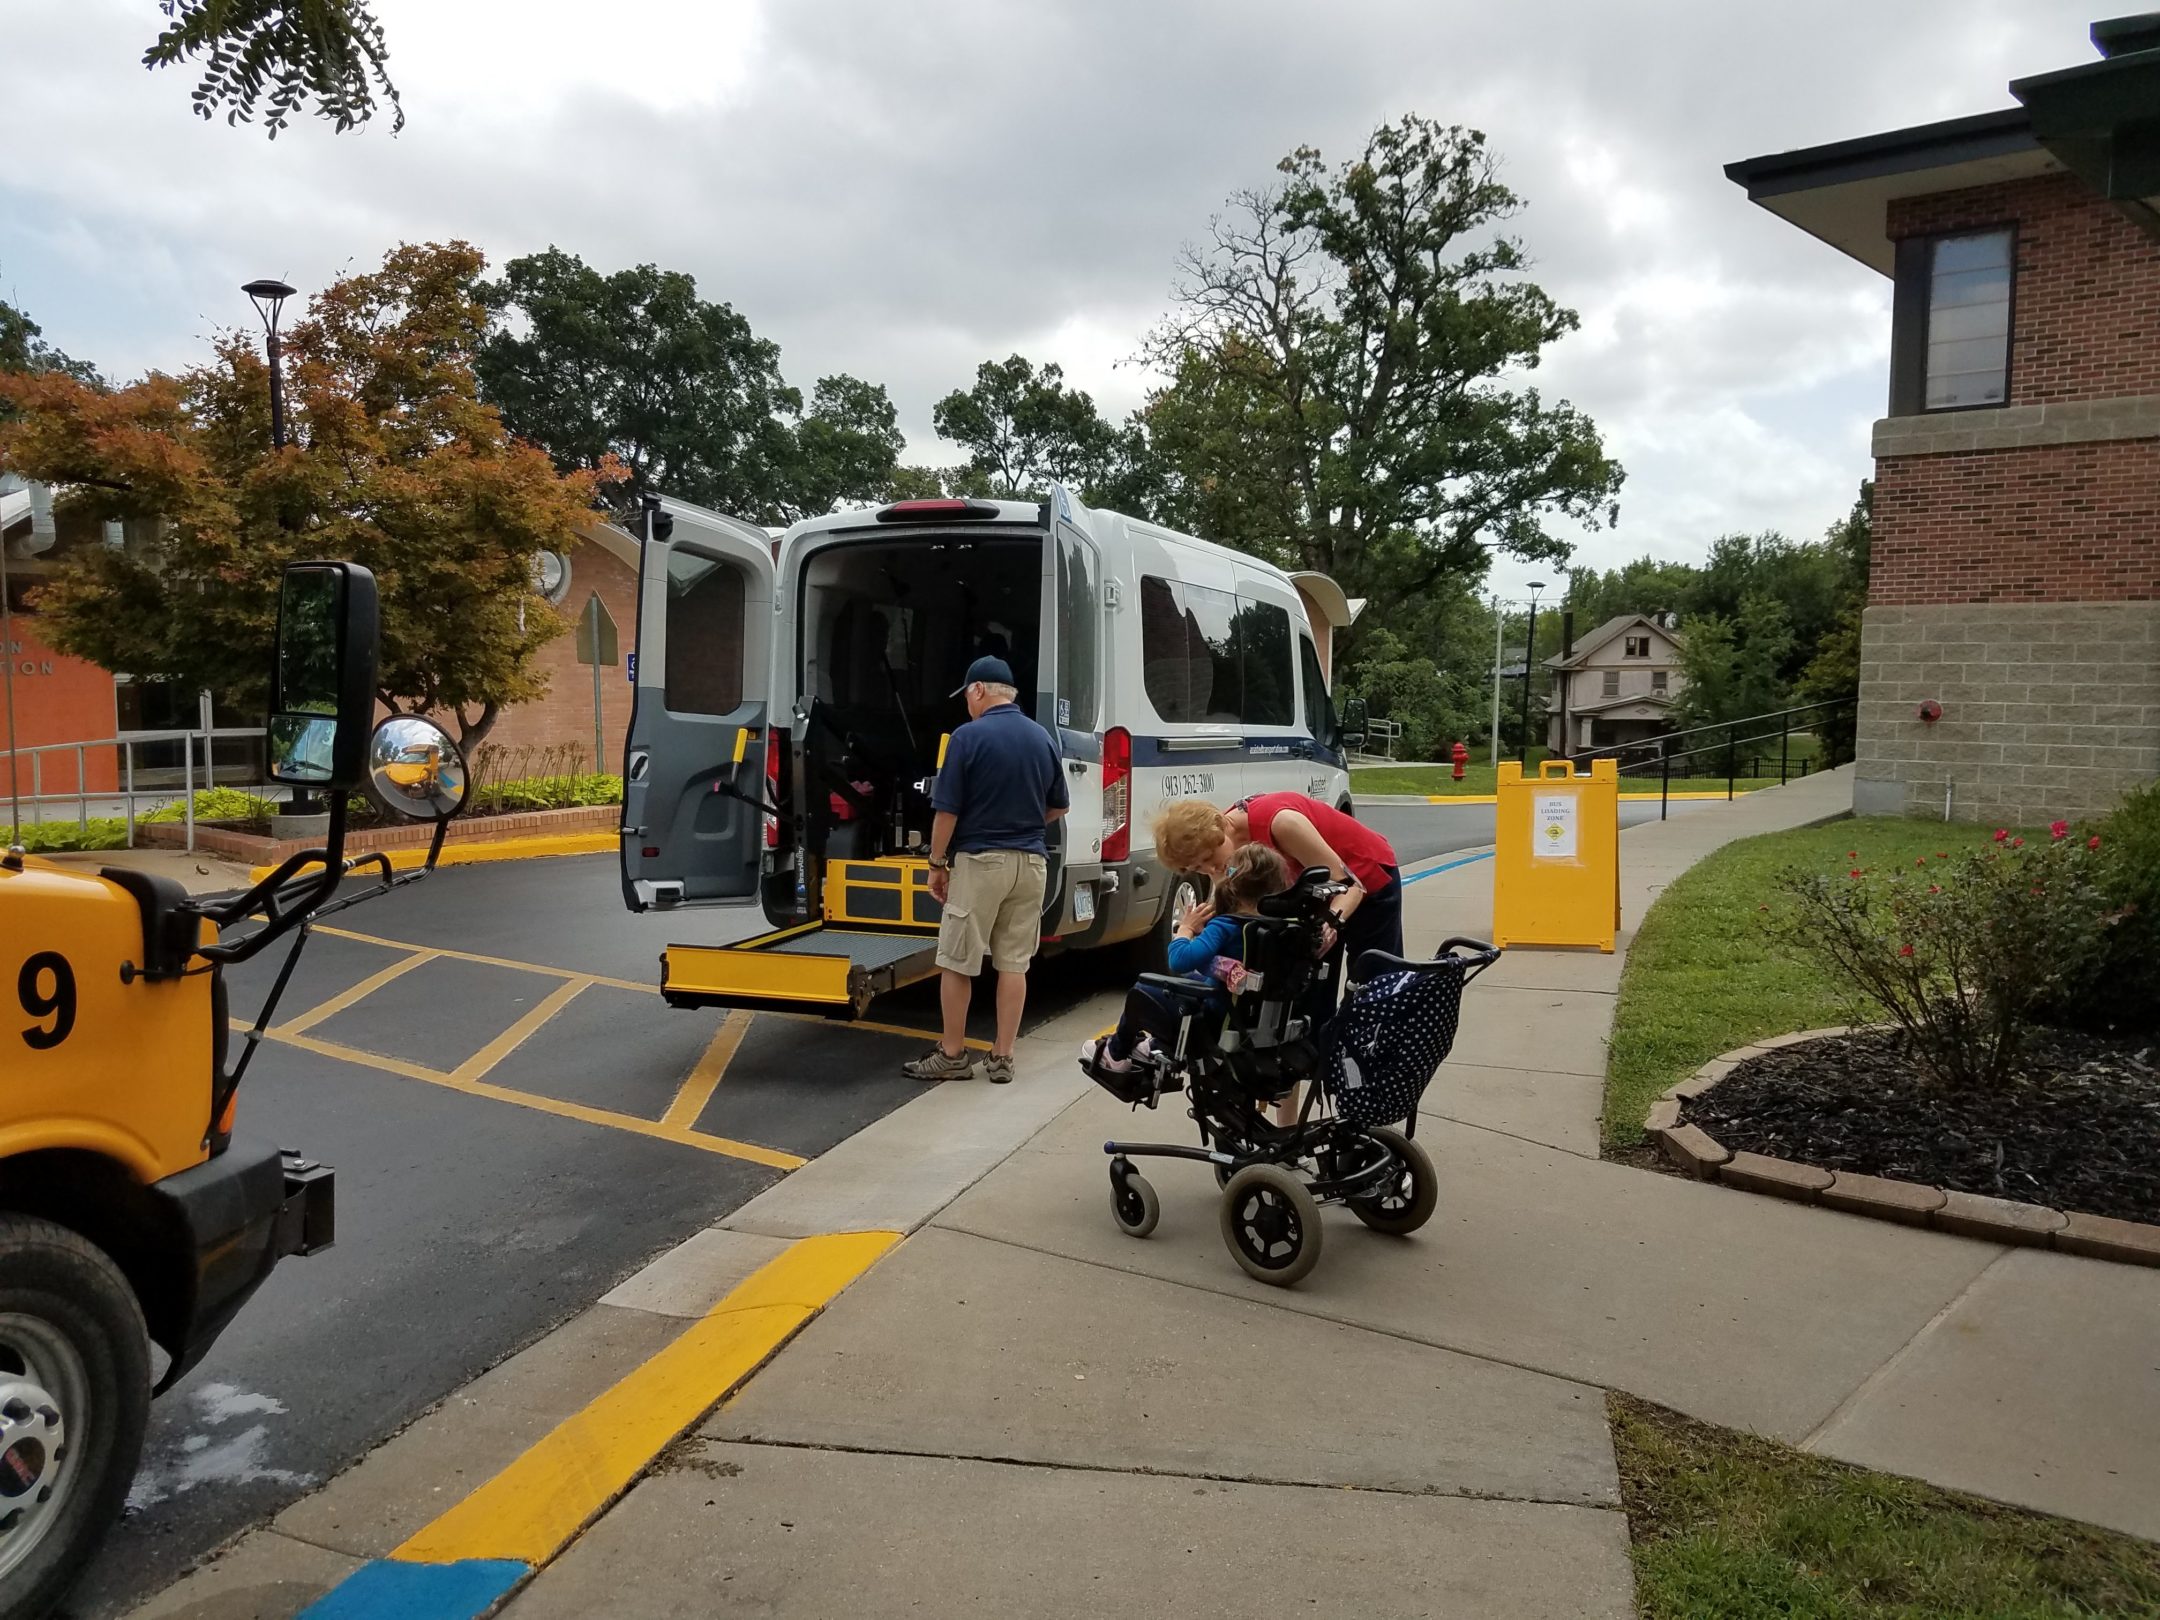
<point x="416" y="770"/>
<point x="322" y="683"/>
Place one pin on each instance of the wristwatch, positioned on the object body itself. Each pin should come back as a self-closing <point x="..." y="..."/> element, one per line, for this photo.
<point x="940" y="863"/>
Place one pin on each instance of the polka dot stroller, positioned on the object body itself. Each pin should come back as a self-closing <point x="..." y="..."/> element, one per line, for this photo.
<point x="1352" y="1140"/>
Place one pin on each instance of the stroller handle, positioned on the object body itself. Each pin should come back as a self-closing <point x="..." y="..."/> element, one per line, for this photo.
<point x="1474" y="956"/>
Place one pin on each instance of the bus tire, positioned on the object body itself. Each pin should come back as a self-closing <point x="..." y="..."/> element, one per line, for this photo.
<point x="1151" y="950"/>
<point x="74" y="1402"/>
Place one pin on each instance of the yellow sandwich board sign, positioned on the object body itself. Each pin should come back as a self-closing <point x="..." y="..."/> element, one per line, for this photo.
<point x="1556" y="867"/>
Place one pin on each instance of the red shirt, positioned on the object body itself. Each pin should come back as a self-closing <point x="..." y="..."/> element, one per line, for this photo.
<point x="1370" y="858"/>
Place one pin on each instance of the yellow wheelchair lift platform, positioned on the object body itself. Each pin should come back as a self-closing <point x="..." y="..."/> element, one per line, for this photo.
<point x="879" y="933"/>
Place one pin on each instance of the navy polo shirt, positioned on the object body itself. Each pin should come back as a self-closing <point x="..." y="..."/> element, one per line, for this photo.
<point x="1001" y="777"/>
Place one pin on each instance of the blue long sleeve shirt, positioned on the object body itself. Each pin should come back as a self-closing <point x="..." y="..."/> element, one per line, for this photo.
<point x="1219" y="938"/>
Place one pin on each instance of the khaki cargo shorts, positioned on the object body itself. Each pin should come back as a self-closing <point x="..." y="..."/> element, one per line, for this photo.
<point x="994" y="906"/>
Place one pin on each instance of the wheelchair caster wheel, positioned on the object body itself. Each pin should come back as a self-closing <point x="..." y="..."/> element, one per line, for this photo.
<point x="1271" y="1224"/>
<point x="1405" y="1201"/>
<point x="1133" y="1204"/>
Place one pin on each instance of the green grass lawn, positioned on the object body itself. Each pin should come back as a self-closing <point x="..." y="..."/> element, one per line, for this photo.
<point x="1705" y="976"/>
<point x="1732" y="1525"/>
<point x="1478" y="779"/>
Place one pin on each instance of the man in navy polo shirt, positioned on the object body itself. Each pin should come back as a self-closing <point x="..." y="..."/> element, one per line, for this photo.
<point x="1001" y="786"/>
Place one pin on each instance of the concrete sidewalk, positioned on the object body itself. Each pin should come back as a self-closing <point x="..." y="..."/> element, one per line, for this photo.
<point x="1021" y="1410"/>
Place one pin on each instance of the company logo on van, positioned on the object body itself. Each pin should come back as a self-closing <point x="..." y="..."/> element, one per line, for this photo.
<point x="1267" y="750"/>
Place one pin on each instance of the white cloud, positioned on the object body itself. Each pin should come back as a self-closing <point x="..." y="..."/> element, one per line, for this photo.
<point x="904" y="191"/>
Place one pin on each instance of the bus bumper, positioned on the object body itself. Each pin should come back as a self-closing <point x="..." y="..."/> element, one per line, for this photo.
<point x="236" y="1216"/>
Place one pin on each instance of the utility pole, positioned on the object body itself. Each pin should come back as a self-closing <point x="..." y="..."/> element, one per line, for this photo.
<point x="1496" y="633"/>
<point x="1529" y="653"/>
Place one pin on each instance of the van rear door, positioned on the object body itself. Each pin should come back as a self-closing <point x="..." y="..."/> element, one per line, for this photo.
<point x="694" y="764"/>
<point x="1072" y="661"/>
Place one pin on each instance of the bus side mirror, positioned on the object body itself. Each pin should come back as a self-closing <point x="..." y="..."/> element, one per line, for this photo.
<point x="1353" y="722"/>
<point x="322" y="679"/>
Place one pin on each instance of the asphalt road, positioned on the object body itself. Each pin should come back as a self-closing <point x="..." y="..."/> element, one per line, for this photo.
<point x="487" y="1192"/>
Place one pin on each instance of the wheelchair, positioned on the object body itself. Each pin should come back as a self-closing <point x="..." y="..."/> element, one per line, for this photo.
<point x="1353" y="1139"/>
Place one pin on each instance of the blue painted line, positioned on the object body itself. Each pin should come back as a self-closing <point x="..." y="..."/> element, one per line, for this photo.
<point x="1435" y="871"/>
<point x="389" y="1590"/>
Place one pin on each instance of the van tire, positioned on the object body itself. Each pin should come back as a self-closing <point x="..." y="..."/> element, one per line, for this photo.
<point x="1151" y="950"/>
<point x="65" y="1304"/>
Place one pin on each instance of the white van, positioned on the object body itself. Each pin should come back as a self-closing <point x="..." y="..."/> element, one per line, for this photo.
<point x="792" y="698"/>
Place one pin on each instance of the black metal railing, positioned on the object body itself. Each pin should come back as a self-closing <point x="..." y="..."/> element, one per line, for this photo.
<point x="1726" y="741"/>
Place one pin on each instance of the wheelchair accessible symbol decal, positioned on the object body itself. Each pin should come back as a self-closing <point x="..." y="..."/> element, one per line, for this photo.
<point x="1553" y="827"/>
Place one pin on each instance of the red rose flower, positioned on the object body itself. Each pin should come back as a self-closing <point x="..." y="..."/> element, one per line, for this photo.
<point x="2001" y="833"/>
<point x="2058" y="829"/>
<point x="1904" y="950"/>
<point x="1854" y="873"/>
<point x="2017" y="843"/>
<point x="2093" y="842"/>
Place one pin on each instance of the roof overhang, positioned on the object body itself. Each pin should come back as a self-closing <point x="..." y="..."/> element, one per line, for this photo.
<point x="1329" y="597"/>
<point x="2102" y="122"/>
<point x="1841" y="193"/>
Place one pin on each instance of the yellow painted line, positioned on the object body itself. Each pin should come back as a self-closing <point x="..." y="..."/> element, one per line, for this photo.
<point x="477" y="1066"/>
<point x="726" y="1146"/>
<point x="359" y="992"/>
<point x="872" y="1025"/>
<point x="697" y="1091"/>
<point x="532" y="1509"/>
<point x="495" y="849"/>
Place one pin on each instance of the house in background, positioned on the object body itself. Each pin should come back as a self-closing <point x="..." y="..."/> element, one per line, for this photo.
<point x="2010" y="650"/>
<point x="1618" y="686"/>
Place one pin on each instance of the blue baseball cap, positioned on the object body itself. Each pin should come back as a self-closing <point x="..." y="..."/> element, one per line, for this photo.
<point x="995" y="671"/>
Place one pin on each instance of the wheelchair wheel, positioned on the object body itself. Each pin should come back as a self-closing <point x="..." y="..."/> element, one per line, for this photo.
<point x="1271" y="1224"/>
<point x="1406" y="1202"/>
<point x="1133" y="1204"/>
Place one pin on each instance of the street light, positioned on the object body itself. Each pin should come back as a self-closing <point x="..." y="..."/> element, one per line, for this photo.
<point x="269" y="297"/>
<point x="1529" y="652"/>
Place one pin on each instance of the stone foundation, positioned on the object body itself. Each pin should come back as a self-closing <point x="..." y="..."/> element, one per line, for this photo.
<point x="2048" y="709"/>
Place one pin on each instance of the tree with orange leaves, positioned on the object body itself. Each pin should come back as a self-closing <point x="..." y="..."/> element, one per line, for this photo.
<point x="394" y="462"/>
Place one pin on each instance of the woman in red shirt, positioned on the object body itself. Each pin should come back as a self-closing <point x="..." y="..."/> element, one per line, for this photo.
<point x="1192" y="835"/>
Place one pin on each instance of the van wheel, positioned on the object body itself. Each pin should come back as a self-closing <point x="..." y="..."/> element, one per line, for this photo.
<point x="1151" y="951"/>
<point x="74" y="1401"/>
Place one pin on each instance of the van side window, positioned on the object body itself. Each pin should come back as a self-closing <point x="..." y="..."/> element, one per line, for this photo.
<point x="704" y="671"/>
<point x="1319" y="712"/>
<point x="1174" y="663"/>
<point x="1263" y="635"/>
<point x="1078" y="619"/>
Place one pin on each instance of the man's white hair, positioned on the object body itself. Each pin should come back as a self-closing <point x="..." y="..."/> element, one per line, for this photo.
<point x="999" y="691"/>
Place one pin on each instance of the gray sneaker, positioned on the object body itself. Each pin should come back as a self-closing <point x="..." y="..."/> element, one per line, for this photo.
<point x="938" y="1064"/>
<point x="997" y="1070"/>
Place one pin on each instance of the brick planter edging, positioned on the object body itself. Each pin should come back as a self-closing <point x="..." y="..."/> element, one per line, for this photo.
<point x="1996" y="1220"/>
<point x="256" y="849"/>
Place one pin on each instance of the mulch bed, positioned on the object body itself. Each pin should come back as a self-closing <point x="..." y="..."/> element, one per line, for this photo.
<point x="2078" y="1131"/>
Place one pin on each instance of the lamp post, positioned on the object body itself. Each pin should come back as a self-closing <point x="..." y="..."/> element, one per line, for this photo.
<point x="1529" y="652"/>
<point x="268" y="295"/>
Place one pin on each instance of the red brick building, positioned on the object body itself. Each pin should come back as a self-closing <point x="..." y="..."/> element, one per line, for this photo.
<point x="2015" y="583"/>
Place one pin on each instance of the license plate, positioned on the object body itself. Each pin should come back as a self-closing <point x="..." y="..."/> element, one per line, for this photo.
<point x="1084" y="903"/>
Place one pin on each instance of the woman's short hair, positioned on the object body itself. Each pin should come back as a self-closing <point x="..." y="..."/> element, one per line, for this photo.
<point x="1188" y="832"/>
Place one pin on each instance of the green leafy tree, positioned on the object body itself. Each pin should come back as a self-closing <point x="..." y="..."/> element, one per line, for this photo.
<point x="279" y="55"/>
<point x="1733" y="666"/>
<point x="678" y="389"/>
<point x="1833" y="673"/>
<point x="1434" y="706"/>
<point x="1646" y="585"/>
<point x="1025" y="430"/>
<point x="1343" y="357"/>
<point x="23" y="349"/>
<point x="394" y="462"/>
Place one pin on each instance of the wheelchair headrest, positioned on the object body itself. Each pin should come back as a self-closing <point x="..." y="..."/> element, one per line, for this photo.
<point x="1301" y="899"/>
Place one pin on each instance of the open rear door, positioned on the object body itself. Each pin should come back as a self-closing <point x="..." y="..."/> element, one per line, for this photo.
<point x="694" y="764"/>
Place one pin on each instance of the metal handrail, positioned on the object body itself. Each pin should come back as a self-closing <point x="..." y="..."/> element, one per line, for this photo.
<point x="127" y="793"/>
<point x="1732" y="740"/>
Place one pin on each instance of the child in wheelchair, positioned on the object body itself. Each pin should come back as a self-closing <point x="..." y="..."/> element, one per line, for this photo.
<point x="1207" y="949"/>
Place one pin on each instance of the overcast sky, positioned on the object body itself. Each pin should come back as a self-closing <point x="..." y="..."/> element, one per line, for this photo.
<point x="901" y="191"/>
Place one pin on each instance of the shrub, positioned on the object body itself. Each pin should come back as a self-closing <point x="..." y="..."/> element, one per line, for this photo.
<point x="2122" y="993"/>
<point x="53" y="837"/>
<point x="1962" y="953"/>
<point x="506" y="780"/>
<point x="217" y="804"/>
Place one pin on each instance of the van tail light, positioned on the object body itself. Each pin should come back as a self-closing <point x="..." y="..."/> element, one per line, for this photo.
<point x="772" y="787"/>
<point x="1117" y="794"/>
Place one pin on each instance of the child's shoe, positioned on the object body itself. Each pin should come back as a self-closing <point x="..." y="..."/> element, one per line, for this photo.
<point x="1095" y="1054"/>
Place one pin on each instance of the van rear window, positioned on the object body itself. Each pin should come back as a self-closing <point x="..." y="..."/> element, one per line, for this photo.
<point x="704" y="671"/>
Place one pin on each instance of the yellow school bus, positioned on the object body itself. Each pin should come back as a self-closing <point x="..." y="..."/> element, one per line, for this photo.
<point x="133" y="1213"/>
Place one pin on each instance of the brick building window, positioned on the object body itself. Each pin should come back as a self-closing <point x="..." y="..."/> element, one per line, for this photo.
<point x="1950" y="321"/>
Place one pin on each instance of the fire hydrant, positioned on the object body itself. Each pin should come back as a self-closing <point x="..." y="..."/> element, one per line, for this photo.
<point x="1460" y="754"/>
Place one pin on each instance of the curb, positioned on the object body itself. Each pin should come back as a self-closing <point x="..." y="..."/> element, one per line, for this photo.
<point x="501" y="849"/>
<point x="1910" y="1203"/>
